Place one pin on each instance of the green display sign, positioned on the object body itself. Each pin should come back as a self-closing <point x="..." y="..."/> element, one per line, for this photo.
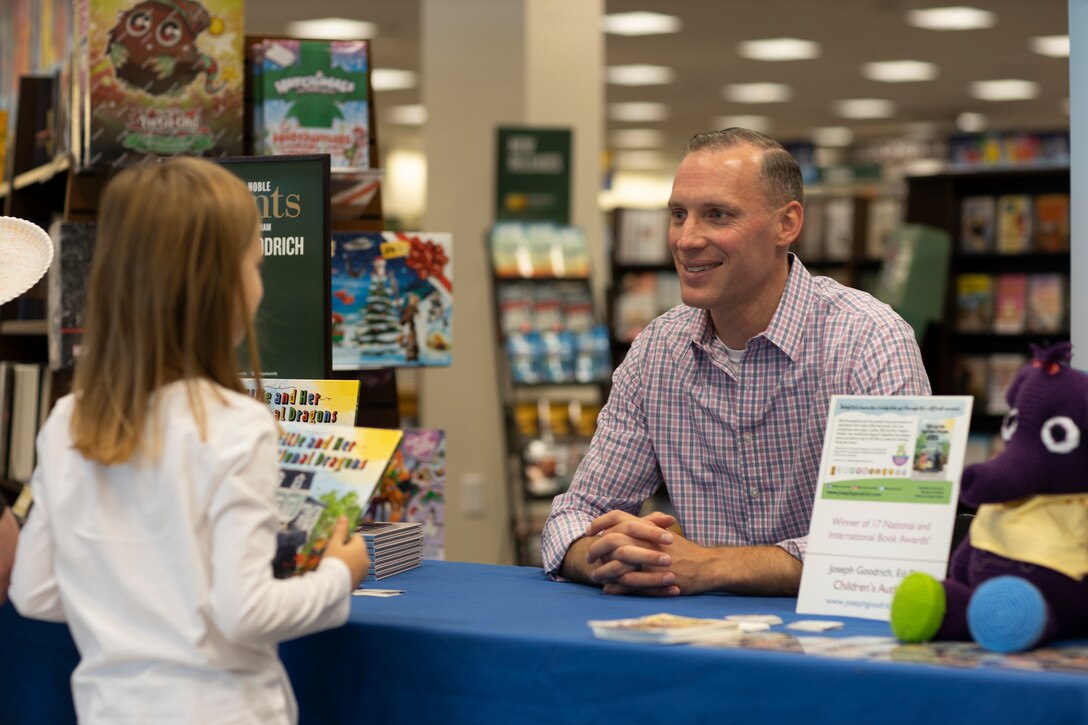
<point x="294" y="320"/>
<point x="532" y="181"/>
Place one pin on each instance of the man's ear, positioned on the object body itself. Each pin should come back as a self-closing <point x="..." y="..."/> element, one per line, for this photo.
<point x="791" y="218"/>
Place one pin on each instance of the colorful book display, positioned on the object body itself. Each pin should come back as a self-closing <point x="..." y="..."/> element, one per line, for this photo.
<point x="73" y="243"/>
<point x="1014" y="222"/>
<point x="538" y="249"/>
<point x="335" y="402"/>
<point x="311" y="97"/>
<point x="159" y="77"/>
<point x="977" y="215"/>
<point x="413" y="489"/>
<point x="1052" y="223"/>
<point x="326" y="471"/>
<point x="974" y="302"/>
<point x="1010" y="304"/>
<point x="392" y="300"/>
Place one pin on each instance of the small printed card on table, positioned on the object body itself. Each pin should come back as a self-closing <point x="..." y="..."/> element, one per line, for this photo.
<point x="885" y="500"/>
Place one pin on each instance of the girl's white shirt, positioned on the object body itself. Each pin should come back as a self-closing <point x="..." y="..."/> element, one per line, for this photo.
<point x="162" y="569"/>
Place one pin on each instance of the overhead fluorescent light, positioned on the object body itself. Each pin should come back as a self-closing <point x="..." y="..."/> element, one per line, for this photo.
<point x="774" y="49"/>
<point x="636" y="138"/>
<point x="333" y="29"/>
<point x="863" y="108"/>
<point x="640" y="160"/>
<point x="413" y="115"/>
<point x="899" y="71"/>
<point x="763" y="124"/>
<point x="639" y="75"/>
<point x="958" y="17"/>
<point x="832" y="136"/>
<point x="1055" y="46"/>
<point x="971" y="122"/>
<point x="638" y="111"/>
<point x="1005" y="89"/>
<point x="757" y="92"/>
<point x="640" y="23"/>
<point x="391" y="79"/>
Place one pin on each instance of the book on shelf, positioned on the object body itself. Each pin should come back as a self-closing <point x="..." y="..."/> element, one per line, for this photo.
<point x="971" y="376"/>
<point x="335" y="402"/>
<point x="1003" y="369"/>
<point x="158" y="79"/>
<point x="977" y="215"/>
<point x="69" y="275"/>
<point x="326" y="471"/>
<point x="413" y="488"/>
<point x="839" y="229"/>
<point x="641" y="297"/>
<point x="312" y="97"/>
<point x="974" y="302"/>
<point x="538" y="249"/>
<point x="884" y="215"/>
<point x="26" y="397"/>
<point x="1014" y="222"/>
<point x="1047" y="302"/>
<point x="1052" y="223"/>
<point x="392" y="299"/>
<point x="643" y="236"/>
<point x="1010" y="304"/>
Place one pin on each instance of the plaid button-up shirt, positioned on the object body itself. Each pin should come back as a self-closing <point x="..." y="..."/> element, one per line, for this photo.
<point x="738" y="448"/>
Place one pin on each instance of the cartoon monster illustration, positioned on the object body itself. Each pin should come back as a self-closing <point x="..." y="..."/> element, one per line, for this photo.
<point x="153" y="46"/>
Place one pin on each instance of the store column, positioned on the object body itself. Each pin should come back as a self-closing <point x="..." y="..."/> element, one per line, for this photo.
<point x="485" y="64"/>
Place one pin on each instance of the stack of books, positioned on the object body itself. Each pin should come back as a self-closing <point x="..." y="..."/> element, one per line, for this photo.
<point x="392" y="547"/>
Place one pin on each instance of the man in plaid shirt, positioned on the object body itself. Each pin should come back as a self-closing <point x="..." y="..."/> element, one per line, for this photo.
<point x="724" y="398"/>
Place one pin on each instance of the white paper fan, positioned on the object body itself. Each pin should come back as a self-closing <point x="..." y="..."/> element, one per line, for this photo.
<point x="25" y="253"/>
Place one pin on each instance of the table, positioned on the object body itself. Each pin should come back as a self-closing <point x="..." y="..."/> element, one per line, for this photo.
<point x="501" y="644"/>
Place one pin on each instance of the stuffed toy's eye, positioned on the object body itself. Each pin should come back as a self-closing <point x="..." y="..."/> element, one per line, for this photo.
<point x="1008" y="426"/>
<point x="1060" y="434"/>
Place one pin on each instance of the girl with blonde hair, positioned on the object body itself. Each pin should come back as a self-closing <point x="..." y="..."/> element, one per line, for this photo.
<point x="153" y="525"/>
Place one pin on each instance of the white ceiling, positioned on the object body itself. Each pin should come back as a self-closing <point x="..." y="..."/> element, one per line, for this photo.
<point x="704" y="57"/>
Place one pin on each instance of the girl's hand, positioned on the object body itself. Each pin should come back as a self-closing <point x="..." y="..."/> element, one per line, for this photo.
<point x="350" y="550"/>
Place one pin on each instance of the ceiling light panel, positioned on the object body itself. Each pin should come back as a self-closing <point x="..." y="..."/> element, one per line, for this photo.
<point x="757" y="92"/>
<point x="638" y="111"/>
<point x="969" y="122"/>
<point x="333" y="29"/>
<point x="899" y="71"/>
<point x="776" y="49"/>
<point x="956" y="17"/>
<point x="391" y="79"/>
<point x="1005" y="89"/>
<point x="832" y="136"/>
<point x="639" y="75"/>
<point x="636" y="138"/>
<point x="863" y="108"/>
<point x="414" y="115"/>
<point x="763" y="124"/>
<point x="640" y="23"/>
<point x="640" y="160"/>
<point x="1055" y="46"/>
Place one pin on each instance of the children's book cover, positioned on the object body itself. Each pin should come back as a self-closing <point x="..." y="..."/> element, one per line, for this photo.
<point x="66" y="295"/>
<point x="1052" y="223"/>
<point x="392" y="300"/>
<point x="308" y="401"/>
<point x="974" y="302"/>
<point x="1014" y="222"/>
<point x="1003" y="368"/>
<point x="165" y="77"/>
<point x="1047" y="302"/>
<point x="313" y="98"/>
<point x="977" y="215"/>
<point x="413" y="488"/>
<point x="326" y="471"/>
<point x="1010" y="303"/>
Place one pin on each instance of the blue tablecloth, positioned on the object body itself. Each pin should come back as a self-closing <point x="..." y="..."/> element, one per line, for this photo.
<point x="478" y="643"/>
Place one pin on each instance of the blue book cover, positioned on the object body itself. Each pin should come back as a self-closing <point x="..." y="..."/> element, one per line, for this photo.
<point x="392" y="300"/>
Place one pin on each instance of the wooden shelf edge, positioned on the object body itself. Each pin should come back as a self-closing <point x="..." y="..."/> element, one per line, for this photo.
<point x="23" y="327"/>
<point x="42" y="173"/>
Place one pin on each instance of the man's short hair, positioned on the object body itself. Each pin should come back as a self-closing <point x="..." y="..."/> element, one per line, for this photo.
<point x="780" y="172"/>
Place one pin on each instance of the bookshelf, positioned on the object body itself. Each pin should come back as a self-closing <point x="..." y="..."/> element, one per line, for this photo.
<point x="554" y="365"/>
<point x="977" y="347"/>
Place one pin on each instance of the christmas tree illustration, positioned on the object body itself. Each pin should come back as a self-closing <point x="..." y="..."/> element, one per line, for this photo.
<point x="380" y="328"/>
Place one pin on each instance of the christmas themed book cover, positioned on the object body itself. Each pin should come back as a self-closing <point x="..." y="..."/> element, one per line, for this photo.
<point x="312" y="98"/>
<point x="392" y="300"/>
<point x="163" y="77"/>
<point x="326" y="471"/>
